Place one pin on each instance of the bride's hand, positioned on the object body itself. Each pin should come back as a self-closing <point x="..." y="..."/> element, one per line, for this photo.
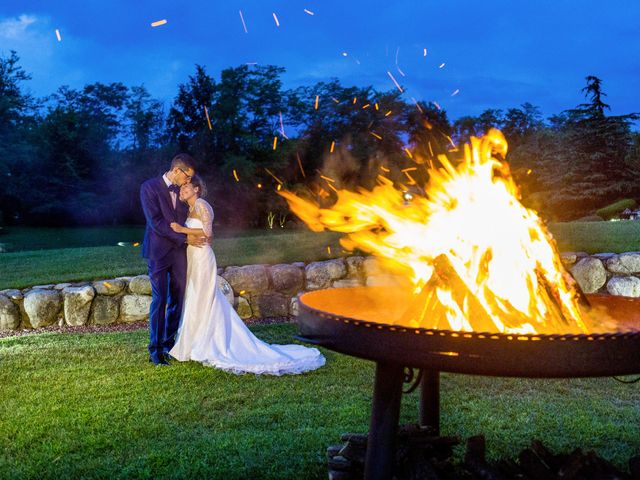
<point x="176" y="227"/>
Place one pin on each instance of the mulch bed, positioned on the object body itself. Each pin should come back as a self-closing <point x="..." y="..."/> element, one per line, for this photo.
<point x="119" y="327"/>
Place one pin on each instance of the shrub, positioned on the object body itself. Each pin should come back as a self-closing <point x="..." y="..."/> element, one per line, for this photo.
<point x="613" y="210"/>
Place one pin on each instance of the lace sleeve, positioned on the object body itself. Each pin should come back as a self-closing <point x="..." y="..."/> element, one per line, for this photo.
<point x="205" y="212"/>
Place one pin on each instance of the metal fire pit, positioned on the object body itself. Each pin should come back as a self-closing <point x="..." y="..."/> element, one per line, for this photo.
<point x="351" y="321"/>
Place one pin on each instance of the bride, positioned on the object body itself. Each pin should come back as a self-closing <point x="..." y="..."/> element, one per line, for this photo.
<point x="211" y="332"/>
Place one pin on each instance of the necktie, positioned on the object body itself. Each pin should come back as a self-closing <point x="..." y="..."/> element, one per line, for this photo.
<point x="175" y="189"/>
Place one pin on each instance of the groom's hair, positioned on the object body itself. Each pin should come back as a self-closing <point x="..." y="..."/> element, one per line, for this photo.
<point x="184" y="161"/>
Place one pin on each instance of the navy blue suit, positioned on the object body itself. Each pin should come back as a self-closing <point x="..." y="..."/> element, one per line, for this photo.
<point x="165" y="251"/>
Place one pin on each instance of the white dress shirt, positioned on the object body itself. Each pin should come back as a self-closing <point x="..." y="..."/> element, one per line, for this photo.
<point x="174" y="197"/>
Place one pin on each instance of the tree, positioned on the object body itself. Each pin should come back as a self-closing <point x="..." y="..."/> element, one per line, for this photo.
<point x="77" y="144"/>
<point x="584" y="160"/>
<point x="17" y="122"/>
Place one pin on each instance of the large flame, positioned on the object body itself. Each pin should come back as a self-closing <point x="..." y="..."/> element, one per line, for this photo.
<point x="479" y="260"/>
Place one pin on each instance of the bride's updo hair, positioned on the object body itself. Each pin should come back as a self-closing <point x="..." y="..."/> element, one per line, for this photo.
<point x="197" y="181"/>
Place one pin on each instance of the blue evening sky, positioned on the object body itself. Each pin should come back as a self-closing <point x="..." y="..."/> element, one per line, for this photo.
<point x="497" y="53"/>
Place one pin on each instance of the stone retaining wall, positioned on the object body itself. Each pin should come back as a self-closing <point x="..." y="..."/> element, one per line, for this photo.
<point x="260" y="290"/>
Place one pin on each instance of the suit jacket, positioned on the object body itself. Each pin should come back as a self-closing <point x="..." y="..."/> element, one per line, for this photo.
<point x="159" y="239"/>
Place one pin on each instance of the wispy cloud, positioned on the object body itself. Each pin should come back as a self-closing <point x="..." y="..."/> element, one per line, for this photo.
<point x="16" y="28"/>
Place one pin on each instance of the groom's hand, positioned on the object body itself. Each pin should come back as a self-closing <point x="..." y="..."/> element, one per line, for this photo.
<point x="197" y="240"/>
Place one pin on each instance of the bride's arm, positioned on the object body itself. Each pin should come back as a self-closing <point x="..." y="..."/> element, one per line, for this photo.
<point x="205" y="212"/>
<point x="176" y="227"/>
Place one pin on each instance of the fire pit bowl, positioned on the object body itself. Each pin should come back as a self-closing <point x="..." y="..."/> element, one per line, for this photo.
<point x="352" y="321"/>
<point x="363" y="322"/>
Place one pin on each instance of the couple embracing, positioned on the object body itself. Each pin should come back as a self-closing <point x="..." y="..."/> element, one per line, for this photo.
<point x="190" y="318"/>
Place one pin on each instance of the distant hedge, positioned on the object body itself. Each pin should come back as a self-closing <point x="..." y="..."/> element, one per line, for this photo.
<point x="616" y="208"/>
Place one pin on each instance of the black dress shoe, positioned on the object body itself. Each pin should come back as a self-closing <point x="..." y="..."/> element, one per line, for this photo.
<point x="170" y="358"/>
<point x="160" y="361"/>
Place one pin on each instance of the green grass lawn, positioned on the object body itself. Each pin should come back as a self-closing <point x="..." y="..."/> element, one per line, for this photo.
<point x="91" y="406"/>
<point x="22" y="269"/>
<point x="597" y="237"/>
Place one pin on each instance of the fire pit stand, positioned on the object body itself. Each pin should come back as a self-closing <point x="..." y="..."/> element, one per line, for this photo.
<point x="396" y="349"/>
<point x="385" y="414"/>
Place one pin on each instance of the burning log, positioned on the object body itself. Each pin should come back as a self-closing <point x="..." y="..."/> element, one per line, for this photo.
<point x="448" y="302"/>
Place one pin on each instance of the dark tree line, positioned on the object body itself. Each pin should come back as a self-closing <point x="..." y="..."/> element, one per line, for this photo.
<point x="79" y="155"/>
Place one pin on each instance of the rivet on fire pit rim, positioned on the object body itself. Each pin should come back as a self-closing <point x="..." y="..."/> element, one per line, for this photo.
<point x="430" y="333"/>
<point x="509" y="337"/>
<point x="482" y="336"/>
<point x="442" y="334"/>
<point x="393" y="329"/>
<point x="455" y="334"/>
<point x="535" y="339"/>
<point x="417" y="332"/>
<point x="494" y="337"/>
<point x="525" y="339"/>
<point x="467" y="335"/>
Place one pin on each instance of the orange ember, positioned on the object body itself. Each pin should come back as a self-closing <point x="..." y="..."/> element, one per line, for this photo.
<point x="476" y="257"/>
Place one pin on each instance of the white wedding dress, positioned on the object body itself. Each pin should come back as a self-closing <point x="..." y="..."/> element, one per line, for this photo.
<point x="211" y="332"/>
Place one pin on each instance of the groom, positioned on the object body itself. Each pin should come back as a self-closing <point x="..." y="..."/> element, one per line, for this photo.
<point x="165" y="251"/>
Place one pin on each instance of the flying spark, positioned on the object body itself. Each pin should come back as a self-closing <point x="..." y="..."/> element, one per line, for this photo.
<point x="376" y="135"/>
<point x="316" y="105"/>
<point x="417" y="105"/>
<point x="328" y="179"/>
<point x="424" y="52"/>
<point x="457" y="91"/>
<point x="408" y="153"/>
<point x="206" y="112"/>
<point x="333" y="144"/>
<point x="394" y="81"/>
<point x="275" y="178"/>
<point x="300" y="165"/>
<point x="244" y="25"/>
<point x="275" y="142"/>
<point x="411" y="180"/>
<point x="309" y="12"/>
<point x="275" y="17"/>
<point x="366" y="106"/>
<point x="388" y="113"/>
<point x="282" y="126"/>
<point x="441" y="65"/>
<point x="344" y="54"/>
<point x="158" y="23"/>
<point x="376" y="105"/>
<point x="58" y="35"/>
<point x="397" y="66"/>
<point x="235" y="175"/>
